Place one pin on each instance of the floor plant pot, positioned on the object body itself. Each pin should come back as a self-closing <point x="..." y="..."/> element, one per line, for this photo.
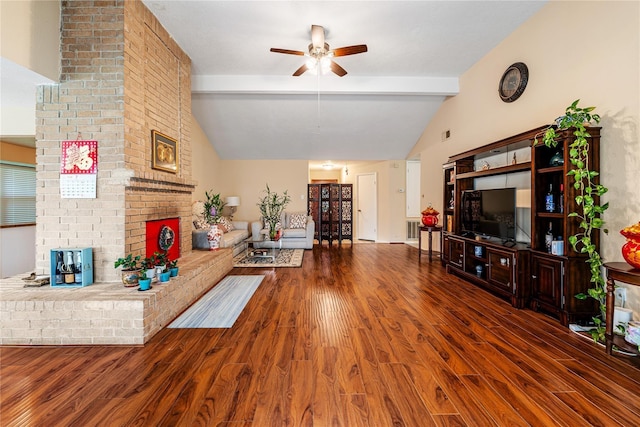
<point x="145" y="284"/>
<point x="130" y="278"/>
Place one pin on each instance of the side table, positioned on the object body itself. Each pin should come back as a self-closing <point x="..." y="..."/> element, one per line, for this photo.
<point x="430" y="230"/>
<point x="622" y="272"/>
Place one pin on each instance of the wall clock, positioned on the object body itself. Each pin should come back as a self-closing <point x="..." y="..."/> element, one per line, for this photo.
<point x="513" y="82"/>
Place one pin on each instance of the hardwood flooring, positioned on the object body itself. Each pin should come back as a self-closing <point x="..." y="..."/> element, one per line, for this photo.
<point x="359" y="336"/>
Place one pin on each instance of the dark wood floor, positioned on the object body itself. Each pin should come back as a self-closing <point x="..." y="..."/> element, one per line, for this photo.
<point x="359" y="336"/>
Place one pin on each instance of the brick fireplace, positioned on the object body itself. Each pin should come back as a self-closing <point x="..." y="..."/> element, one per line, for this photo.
<point x="120" y="81"/>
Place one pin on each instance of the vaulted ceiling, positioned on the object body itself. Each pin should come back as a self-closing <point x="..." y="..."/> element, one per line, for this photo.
<point x="251" y="107"/>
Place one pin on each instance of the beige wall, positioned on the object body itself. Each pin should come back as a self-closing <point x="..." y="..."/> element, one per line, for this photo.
<point x="30" y="35"/>
<point x="602" y="70"/>
<point x="321" y="174"/>
<point x="248" y="178"/>
<point x="205" y="163"/>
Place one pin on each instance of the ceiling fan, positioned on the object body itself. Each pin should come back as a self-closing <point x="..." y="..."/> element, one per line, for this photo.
<point x="320" y="55"/>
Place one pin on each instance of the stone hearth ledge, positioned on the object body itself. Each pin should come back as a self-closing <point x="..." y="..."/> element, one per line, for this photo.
<point x="105" y="313"/>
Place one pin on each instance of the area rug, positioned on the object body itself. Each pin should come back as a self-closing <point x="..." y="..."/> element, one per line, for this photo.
<point x="286" y="258"/>
<point x="221" y="306"/>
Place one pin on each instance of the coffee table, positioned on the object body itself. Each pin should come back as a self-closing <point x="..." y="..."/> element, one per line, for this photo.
<point x="271" y="250"/>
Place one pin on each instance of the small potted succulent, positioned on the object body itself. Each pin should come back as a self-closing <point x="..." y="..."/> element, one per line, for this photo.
<point x="130" y="269"/>
<point x="173" y="267"/>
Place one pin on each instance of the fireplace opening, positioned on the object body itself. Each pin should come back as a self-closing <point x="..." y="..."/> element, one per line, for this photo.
<point x="163" y="235"/>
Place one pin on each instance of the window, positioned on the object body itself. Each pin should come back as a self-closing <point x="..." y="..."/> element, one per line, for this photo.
<point x="17" y="194"/>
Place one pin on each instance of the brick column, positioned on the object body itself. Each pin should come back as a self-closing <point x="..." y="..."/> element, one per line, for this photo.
<point x="121" y="77"/>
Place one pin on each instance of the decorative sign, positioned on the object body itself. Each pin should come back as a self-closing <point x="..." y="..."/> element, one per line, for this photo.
<point x="78" y="169"/>
<point x="163" y="235"/>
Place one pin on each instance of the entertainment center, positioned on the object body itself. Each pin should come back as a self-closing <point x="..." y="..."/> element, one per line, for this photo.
<point x="507" y="224"/>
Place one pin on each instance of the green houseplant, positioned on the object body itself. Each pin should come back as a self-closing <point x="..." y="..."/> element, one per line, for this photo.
<point x="271" y="206"/>
<point x="130" y="269"/>
<point x="589" y="211"/>
<point x="213" y="207"/>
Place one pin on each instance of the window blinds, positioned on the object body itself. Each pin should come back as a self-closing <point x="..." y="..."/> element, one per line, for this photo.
<point x="17" y="194"/>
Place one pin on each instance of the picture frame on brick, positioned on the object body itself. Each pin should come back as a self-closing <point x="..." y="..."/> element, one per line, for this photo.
<point x="164" y="152"/>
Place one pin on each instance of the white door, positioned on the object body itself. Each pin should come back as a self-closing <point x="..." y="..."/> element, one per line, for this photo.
<point x="367" y="207"/>
<point x="413" y="189"/>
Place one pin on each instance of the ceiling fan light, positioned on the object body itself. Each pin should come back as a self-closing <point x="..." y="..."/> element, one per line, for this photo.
<point x="327" y="166"/>
<point x="311" y="62"/>
<point x="325" y="64"/>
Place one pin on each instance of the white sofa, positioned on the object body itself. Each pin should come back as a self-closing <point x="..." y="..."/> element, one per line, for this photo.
<point x="292" y="238"/>
<point x="231" y="239"/>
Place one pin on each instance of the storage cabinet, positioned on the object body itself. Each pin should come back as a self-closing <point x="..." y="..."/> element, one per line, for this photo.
<point x="504" y="271"/>
<point x="331" y="206"/>
<point x="558" y="272"/>
<point x="81" y="277"/>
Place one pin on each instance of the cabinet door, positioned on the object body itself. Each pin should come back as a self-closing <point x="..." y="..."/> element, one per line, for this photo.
<point x="547" y="282"/>
<point x="346" y="211"/>
<point x="313" y="208"/>
<point x="456" y="253"/>
<point x="500" y="270"/>
<point x="444" y="251"/>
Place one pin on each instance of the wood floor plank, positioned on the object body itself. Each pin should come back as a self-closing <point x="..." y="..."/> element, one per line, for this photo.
<point x="360" y="335"/>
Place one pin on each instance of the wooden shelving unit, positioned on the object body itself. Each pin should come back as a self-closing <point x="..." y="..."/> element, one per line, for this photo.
<point x="534" y="277"/>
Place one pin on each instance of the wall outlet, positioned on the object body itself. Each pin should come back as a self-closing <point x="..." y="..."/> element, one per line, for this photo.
<point x="621" y="296"/>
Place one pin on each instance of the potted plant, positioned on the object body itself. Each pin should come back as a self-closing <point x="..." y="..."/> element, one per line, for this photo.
<point x="130" y="269"/>
<point x="587" y="199"/>
<point x="173" y="267"/>
<point x="271" y="206"/>
<point x="213" y="207"/>
<point x="144" y="281"/>
<point x="161" y="260"/>
<point x="149" y="264"/>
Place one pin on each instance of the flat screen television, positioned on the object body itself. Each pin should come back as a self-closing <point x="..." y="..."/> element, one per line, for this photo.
<point x="490" y="213"/>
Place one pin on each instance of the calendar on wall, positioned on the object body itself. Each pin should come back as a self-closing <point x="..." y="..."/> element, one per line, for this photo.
<point x="78" y="169"/>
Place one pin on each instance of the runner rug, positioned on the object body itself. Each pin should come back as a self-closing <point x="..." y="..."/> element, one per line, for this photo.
<point x="221" y="306"/>
<point x="285" y="258"/>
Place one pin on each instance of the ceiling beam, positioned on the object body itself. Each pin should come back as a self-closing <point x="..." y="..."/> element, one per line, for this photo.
<point x="437" y="86"/>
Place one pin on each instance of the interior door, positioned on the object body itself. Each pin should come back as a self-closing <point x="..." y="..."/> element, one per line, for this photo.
<point x="367" y="207"/>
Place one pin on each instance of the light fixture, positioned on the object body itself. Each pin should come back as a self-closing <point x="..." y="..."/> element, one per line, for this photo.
<point x="233" y="202"/>
<point x="346" y="169"/>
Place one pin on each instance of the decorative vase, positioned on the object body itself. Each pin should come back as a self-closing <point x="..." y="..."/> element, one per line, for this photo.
<point x="130" y="278"/>
<point x="214" y="235"/>
<point x="430" y="217"/>
<point x="631" y="249"/>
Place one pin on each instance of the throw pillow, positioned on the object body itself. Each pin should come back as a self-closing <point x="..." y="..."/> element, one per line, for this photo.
<point x="200" y="224"/>
<point x="298" y="220"/>
<point x="226" y="224"/>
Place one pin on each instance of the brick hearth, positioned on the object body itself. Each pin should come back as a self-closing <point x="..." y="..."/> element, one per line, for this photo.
<point x="104" y="313"/>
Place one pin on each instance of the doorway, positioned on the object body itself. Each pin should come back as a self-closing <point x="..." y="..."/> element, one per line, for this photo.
<point x="367" y="206"/>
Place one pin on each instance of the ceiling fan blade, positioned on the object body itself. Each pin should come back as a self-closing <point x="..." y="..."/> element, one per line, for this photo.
<point x="317" y="36"/>
<point x="341" y="72"/>
<point x="349" y="50"/>
<point x="287" y="51"/>
<point x="300" y="70"/>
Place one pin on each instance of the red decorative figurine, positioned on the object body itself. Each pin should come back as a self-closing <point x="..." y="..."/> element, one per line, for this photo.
<point x="430" y="217"/>
<point x="631" y="249"/>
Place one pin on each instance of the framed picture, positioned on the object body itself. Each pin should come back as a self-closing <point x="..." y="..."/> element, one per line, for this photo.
<point x="165" y="152"/>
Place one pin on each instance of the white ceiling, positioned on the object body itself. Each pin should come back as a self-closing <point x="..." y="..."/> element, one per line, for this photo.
<point x="250" y="107"/>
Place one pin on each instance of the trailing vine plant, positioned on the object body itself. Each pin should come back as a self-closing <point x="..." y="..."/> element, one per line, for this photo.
<point x="588" y="193"/>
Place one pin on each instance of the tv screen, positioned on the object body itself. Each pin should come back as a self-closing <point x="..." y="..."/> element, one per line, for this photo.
<point x="490" y="213"/>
